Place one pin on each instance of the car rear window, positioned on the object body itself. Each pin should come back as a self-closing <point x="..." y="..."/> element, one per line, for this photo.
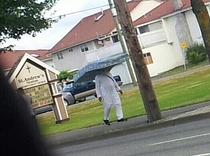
<point x="68" y="86"/>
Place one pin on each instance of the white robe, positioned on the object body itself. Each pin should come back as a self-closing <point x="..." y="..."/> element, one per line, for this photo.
<point x="107" y="88"/>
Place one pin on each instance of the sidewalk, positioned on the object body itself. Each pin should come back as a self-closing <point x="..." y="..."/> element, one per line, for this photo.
<point x="170" y="118"/>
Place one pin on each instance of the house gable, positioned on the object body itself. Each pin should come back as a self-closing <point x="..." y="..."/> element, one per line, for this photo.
<point x="162" y="10"/>
<point x="144" y="7"/>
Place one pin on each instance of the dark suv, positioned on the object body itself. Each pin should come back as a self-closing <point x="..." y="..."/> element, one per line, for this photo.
<point x="73" y="92"/>
<point x="79" y="90"/>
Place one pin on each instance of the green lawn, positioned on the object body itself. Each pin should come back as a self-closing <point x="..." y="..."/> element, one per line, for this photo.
<point x="177" y="92"/>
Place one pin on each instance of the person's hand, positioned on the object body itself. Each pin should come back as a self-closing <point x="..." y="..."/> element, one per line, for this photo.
<point x="99" y="99"/>
<point x="121" y="92"/>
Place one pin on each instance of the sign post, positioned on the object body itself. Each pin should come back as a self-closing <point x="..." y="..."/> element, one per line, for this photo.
<point x="184" y="45"/>
<point x="39" y="81"/>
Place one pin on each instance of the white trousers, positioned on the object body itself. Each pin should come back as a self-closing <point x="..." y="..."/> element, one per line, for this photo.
<point x="118" y="109"/>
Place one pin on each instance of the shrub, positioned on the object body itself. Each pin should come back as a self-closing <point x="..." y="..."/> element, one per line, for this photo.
<point x="196" y="53"/>
<point x="65" y="74"/>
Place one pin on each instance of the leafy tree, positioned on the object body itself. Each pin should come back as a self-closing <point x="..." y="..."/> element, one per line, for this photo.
<point x="201" y="13"/>
<point x="20" y="17"/>
<point x="65" y="74"/>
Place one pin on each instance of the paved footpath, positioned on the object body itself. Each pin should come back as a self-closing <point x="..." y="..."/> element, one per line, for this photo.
<point x="170" y="118"/>
<point x="138" y="124"/>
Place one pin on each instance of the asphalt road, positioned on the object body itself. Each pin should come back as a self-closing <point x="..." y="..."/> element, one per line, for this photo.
<point x="190" y="139"/>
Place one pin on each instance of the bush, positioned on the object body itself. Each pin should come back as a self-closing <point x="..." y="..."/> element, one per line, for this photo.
<point x="196" y="53"/>
<point x="65" y="74"/>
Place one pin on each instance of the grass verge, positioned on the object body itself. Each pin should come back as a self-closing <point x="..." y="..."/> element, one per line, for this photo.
<point x="177" y="92"/>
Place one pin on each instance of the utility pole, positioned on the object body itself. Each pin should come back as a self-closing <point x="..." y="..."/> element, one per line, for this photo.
<point x="142" y="73"/>
<point x="114" y="15"/>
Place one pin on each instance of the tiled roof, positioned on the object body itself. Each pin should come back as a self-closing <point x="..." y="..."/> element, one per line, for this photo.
<point x="8" y="59"/>
<point x="88" y="29"/>
<point x="164" y="9"/>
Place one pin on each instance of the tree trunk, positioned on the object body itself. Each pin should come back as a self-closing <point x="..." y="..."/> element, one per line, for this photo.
<point x="201" y="13"/>
<point x="143" y="77"/>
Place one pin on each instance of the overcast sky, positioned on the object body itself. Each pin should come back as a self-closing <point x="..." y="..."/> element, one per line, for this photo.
<point x="75" y="10"/>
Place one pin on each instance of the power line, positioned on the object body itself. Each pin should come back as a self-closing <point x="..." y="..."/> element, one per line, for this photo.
<point x="79" y="11"/>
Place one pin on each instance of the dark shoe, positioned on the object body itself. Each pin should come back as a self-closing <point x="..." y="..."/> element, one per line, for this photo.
<point x="121" y="120"/>
<point x="106" y="122"/>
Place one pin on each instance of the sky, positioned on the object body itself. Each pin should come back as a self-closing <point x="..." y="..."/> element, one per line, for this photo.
<point x="75" y="10"/>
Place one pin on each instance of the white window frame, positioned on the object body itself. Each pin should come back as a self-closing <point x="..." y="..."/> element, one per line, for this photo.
<point x="59" y="56"/>
<point x="84" y="48"/>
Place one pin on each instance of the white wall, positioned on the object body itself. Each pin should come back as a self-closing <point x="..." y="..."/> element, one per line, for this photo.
<point x="194" y="27"/>
<point x="166" y="51"/>
<point x="173" y="40"/>
<point x="123" y="71"/>
<point x="49" y="62"/>
<point x="141" y="9"/>
<point x="163" y="57"/>
<point x="72" y="60"/>
<point x="103" y="52"/>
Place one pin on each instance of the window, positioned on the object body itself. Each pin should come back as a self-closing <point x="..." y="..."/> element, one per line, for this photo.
<point x="148" y="58"/>
<point x="151" y="34"/>
<point x="115" y="38"/>
<point x="144" y="29"/>
<point x="68" y="86"/>
<point x="136" y="31"/>
<point x="84" y="48"/>
<point x="70" y="50"/>
<point x="60" y="56"/>
<point x="150" y="27"/>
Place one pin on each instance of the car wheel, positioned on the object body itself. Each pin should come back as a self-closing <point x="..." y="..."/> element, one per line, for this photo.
<point x="66" y="103"/>
<point x="81" y="100"/>
<point x="74" y="100"/>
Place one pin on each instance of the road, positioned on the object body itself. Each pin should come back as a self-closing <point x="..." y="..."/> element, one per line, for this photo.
<point x="191" y="139"/>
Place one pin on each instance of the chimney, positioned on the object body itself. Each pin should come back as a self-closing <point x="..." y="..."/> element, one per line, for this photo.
<point x="100" y="16"/>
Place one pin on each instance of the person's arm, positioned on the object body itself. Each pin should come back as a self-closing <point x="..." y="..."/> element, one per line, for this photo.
<point x="116" y="84"/>
<point x="97" y="84"/>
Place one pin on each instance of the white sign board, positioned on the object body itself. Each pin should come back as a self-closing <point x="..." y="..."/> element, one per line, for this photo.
<point x="30" y="76"/>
